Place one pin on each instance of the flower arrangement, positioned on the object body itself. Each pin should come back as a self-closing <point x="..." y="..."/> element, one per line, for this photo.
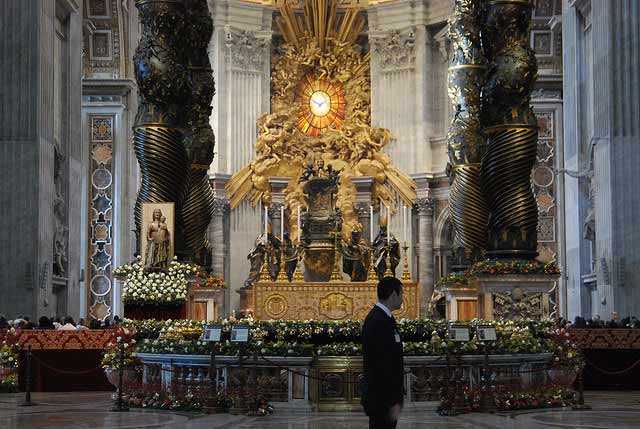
<point x="124" y="343"/>
<point x="193" y="398"/>
<point x="209" y="281"/>
<point x="542" y="397"/>
<point x="8" y="356"/>
<point x="8" y="368"/>
<point x="515" y="266"/>
<point x="323" y="338"/>
<point x="142" y="287"/>
<point x="453" y="279"/>
<point x="566" y="354"/>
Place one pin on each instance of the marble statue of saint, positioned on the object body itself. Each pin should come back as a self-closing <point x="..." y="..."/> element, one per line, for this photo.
<point x="158" y="242"/>
<point x="380" y="249"/>
<point x="356" y="255"/>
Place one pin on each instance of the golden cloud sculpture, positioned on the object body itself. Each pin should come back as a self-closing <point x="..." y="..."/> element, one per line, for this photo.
<point x="321" y="95"/>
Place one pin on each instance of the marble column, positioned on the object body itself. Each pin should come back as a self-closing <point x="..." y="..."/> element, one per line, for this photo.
<point x="217" y="236"/>
<point x="424" y="208"/>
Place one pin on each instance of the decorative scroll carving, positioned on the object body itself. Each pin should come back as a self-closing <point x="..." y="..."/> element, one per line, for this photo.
<point x="554" y="94"/>
<point x="245" y="50"/>
<point x="424" y="206"/>
<point x="517" y="304"/>
<point x="220" y="206"/>
<point x="336" y="300"/>
<point x="395" y="49"/>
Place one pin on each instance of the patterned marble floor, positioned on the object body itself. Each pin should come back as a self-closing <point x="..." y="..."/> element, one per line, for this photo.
<point x="615" y="410"/>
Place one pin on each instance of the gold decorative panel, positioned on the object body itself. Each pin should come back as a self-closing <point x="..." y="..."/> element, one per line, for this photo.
<point x="324" y="301"/>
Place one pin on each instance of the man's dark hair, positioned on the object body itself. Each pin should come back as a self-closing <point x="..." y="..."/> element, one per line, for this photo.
<point x="387" y="286"/>
<point x="69" y="319"/>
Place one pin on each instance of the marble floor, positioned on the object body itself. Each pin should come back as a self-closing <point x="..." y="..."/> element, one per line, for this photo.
<point x="615" y="410"/>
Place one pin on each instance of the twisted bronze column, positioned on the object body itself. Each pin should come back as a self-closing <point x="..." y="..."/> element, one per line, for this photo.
<point x="198" y="206"/>
<point x="162" y="86"/>
<point x="511" y="129"/>
<point x="467" y="203"/>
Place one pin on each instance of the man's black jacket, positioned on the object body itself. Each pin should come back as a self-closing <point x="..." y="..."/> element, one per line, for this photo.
<point x="383" y="381"/>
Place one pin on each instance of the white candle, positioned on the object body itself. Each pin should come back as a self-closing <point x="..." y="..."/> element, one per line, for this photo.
<point x="266" y="219"/>
<point x="299" y="232"/>
<point x="370" y="224"/>
<point x="404" y="222"/>
<point x="388" y="225"/>
<point x="282" y="223"/>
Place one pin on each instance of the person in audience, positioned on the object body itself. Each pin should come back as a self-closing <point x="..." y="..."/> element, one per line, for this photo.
<point x="116" y="320"/>
<point x="45" y="323"/>
<point x="27" y="324"/>
<point x="82" y="326"/>
<point x="69" y="324"/>
<point x="94" y="324"/>
<point x="4" y="323"/>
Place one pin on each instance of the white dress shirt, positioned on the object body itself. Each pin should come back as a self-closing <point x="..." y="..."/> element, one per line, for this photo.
<point x="385" y="309"/>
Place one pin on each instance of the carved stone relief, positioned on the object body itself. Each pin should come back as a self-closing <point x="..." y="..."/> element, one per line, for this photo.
<point x="394" y="49"/>
<point x="246" y="49"/>
<point x="517" y="303"/>
<point x="60" y="238"/>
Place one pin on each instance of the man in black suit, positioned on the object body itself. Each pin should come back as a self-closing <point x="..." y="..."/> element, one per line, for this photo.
<point x="383" y="381"/>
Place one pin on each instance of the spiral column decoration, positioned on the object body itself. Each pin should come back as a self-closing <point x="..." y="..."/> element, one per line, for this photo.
<point x="511" y="130"/>
<point x="198" y="206"/>
<point x="163" y="86"/>
<point x="467" y="202"/>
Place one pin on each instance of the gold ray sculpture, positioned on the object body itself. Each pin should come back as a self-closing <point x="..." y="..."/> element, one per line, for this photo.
<point x="320" y="110"/>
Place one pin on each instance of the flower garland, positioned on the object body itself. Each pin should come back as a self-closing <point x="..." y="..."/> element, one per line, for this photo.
<point x="142" y="287"/>
<point x="514" y="266"/>
<point x="324" y="338"/>
<point x="209" y="281"/>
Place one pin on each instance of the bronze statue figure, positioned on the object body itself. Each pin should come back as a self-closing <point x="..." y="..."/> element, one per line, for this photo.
<point x="381" y="247"/>
<point x="158" y="242"/>
<point x="267" y="245"/>
<point x="356" y="255"/>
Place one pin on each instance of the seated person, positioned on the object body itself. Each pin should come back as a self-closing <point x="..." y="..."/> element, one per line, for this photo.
<point x="82" y="326"/>
<point x="69" y="324"/>
<point x="45" y="323"/>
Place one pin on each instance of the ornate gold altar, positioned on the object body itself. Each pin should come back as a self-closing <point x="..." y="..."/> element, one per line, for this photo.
<point x="336" y="300"/>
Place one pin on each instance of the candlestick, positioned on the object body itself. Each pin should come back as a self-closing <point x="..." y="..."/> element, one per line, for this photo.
<point x="370" y="224"/>
<point x="282" y="223"/>
<point x="299" y="232"/>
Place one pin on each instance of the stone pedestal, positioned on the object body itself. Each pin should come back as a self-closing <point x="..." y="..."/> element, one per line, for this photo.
<point x="513" y="296"/>
<point x="462" y="302"/>
<point x="205" y="303"/>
